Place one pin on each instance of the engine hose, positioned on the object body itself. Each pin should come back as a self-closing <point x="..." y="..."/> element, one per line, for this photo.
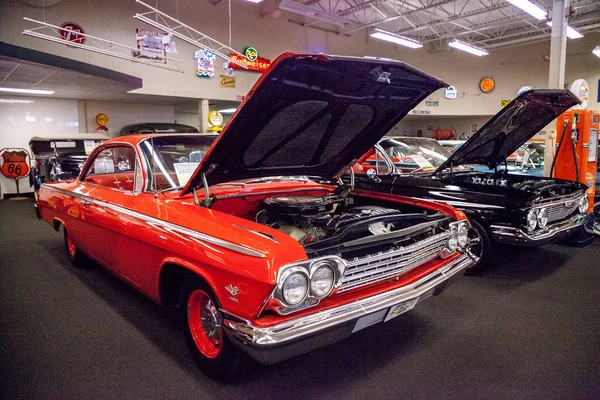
<point x="558" y="150"/>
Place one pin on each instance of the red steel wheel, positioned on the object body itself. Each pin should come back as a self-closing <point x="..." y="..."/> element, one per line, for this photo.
<point x="204" y="323"/>
<point x="71" y="248"/>
<point x="77" y="258"/>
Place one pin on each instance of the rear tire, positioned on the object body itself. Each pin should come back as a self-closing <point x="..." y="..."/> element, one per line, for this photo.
<point x="480" y="248"/>
<point x="77" y="258"/>
<point x="214" y="354"/>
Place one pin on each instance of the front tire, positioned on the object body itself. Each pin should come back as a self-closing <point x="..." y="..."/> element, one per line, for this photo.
<point x="77" y="258"/>
<point x="480" y="248"/>
<point x="214" y="354"/>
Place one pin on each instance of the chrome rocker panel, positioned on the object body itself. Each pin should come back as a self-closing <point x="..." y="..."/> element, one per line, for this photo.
<point x="558" y="230"/>
<point x="298" y="336"/>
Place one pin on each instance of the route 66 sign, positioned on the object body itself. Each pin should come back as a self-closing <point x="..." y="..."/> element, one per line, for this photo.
<point x="14" y="164"/>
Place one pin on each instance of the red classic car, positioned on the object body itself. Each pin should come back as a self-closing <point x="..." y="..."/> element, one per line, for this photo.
<point x="263" y="259"/>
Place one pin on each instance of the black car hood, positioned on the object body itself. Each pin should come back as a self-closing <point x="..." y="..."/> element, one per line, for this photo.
<point x="313" y="115"/>
<point x="515" y="124"/>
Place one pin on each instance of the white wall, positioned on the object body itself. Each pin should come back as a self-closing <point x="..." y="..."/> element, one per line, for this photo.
<point x="120" y="114"/>
<point x="112" y="19"/>
<point x="191" y="119"/>
<point x="20" y="121"/>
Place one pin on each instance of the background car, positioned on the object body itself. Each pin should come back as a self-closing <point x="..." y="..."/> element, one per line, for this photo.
<point x="157" y="127"/>
<point x="503" y="208"/>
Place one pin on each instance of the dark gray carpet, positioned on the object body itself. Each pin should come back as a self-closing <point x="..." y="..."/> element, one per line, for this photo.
<point x="527" y="328"/>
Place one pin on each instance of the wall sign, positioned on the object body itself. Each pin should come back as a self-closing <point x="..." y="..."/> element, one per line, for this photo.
<point x="15" y="165"/>
<point x="581" y="89"/>
<point x="432" y="103"/>
<point x="486" y="85"/>
<point x="71" y="33"/>
<point x="421" y="112"/>
<point x="206" y="63"/>
<point x="226" y="81"/>
<point x="251" y="60"/>
<point x="524" y="89"/>
<point x="215" y="119"/>
<point x="101" y="120"/>
<point x="451" y="92"/>
<point x="150" y="45"/>
<point x="504" y="103"/>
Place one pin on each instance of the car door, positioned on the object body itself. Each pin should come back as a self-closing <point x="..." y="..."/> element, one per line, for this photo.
<point x="115" y="178"/>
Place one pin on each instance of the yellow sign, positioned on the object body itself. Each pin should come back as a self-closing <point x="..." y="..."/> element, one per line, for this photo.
<point x="227" y="81"/>
<point x="215" y="118"/>
<point x="101" y="119"/>
<point x="486" y="85"/>
<point x="504" y="103"/>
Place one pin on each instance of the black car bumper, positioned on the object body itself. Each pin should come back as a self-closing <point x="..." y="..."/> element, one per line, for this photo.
<point x="292" y="338"/>
<point x="557" y="231"/>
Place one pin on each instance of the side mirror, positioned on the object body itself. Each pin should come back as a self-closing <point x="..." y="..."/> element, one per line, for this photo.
<point x="372" y="174"/>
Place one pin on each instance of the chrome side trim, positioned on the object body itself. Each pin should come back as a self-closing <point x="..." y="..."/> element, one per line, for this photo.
<point x="299" y="328"/>
<point x="163" y="224"/>
<point x="512" y="235"/>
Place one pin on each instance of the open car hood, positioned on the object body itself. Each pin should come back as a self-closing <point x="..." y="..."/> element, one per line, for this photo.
<point x="313" y="115"/>
<point x="515" y="124"/>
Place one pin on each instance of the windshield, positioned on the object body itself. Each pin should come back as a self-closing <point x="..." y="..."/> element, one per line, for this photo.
<point x="173" y="159"/>
<point x="415" y="153"/>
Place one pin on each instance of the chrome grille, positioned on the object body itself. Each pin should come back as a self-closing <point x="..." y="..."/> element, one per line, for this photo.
<point x="560" y="207"/>
<point x="379" y="267"/>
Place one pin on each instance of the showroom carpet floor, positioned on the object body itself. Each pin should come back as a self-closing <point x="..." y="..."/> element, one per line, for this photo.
<point x="527" y="328"/>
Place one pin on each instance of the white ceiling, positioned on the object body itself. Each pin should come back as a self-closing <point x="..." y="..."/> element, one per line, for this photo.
<point x="486" y="23"/>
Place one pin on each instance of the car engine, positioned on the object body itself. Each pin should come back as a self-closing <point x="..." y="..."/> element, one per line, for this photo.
<point x="311" y="218"/>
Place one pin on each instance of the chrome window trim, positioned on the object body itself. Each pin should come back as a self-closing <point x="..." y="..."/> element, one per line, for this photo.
<point x="164" y="224"/>
<point x="97" y="151"/>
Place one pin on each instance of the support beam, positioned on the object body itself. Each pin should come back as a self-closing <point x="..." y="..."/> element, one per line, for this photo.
<point x="203" y="115"/>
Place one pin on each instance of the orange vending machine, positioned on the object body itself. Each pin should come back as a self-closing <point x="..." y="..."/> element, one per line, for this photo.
<point x="577" y="149"/>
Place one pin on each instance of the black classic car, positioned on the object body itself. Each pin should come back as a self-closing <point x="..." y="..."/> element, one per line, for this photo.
<point x="60" y="156"/>
<point x="503" y="208"/>
<point x="156" y="127"/>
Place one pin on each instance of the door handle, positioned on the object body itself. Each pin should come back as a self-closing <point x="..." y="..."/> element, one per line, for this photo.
<point x="86" y="202"/>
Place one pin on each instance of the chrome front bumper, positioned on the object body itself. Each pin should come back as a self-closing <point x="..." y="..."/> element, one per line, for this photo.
<point x="556" y="231"/>
<point x="301" y="335"/>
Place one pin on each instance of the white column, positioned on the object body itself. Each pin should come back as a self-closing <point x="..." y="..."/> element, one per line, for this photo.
<point x="556" y="75"/>
<point x="203" y="115"/>
<point x="82" y="117"/>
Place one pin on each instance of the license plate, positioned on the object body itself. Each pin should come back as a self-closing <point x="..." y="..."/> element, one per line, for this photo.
<point x="400" y="309"/>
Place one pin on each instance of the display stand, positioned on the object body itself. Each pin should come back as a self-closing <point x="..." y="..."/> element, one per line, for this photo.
<point x="15" y="165"/>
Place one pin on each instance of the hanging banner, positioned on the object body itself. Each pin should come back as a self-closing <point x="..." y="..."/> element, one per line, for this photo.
<point x="150" y="45"/>
<point x="205" y="63"/>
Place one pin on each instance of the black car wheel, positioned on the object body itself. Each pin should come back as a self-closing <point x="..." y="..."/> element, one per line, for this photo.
<point x="479" y="249"/>
<point x="215" y="355"/>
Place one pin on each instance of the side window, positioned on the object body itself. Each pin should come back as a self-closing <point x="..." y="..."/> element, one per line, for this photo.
<point x="381" y="164"/>
<point x="117" y="168"/>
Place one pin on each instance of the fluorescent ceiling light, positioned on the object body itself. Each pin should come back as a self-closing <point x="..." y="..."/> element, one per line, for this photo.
<point x="530" y="8"/>
<point x="571" y="32"/>
<point x="395" y="38"/>
<point x="28" y="91"/>
<point x="15" y="101"/>
<point x="311" y="12"/>
<point x="469" y="48"/>
<point x="228" y="110"/>
<point x="596" y="51"/>
<point x="255" y="1"/>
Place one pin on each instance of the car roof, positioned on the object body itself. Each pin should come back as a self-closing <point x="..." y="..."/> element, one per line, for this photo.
<point x="137" y="138"/>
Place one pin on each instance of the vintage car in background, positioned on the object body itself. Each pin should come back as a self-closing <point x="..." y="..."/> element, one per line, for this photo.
<point x="156" y="127"/>
<point x="503" y="208"/>
<point x="60" y="156"/>
<point x="261" y="259"/>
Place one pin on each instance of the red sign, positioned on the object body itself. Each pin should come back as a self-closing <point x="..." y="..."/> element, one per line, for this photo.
<point x="71" y="33"/>
<point x="15" y="164"/>
<point x="258" y="65"/>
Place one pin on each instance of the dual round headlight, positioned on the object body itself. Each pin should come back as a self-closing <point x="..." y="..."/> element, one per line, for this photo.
<point x="583" y="204"/>
<point x="532" y="220"/>
<point x="298" y="285"/>
<point x="463" y="235"/>
<point x="542" y="218"/>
